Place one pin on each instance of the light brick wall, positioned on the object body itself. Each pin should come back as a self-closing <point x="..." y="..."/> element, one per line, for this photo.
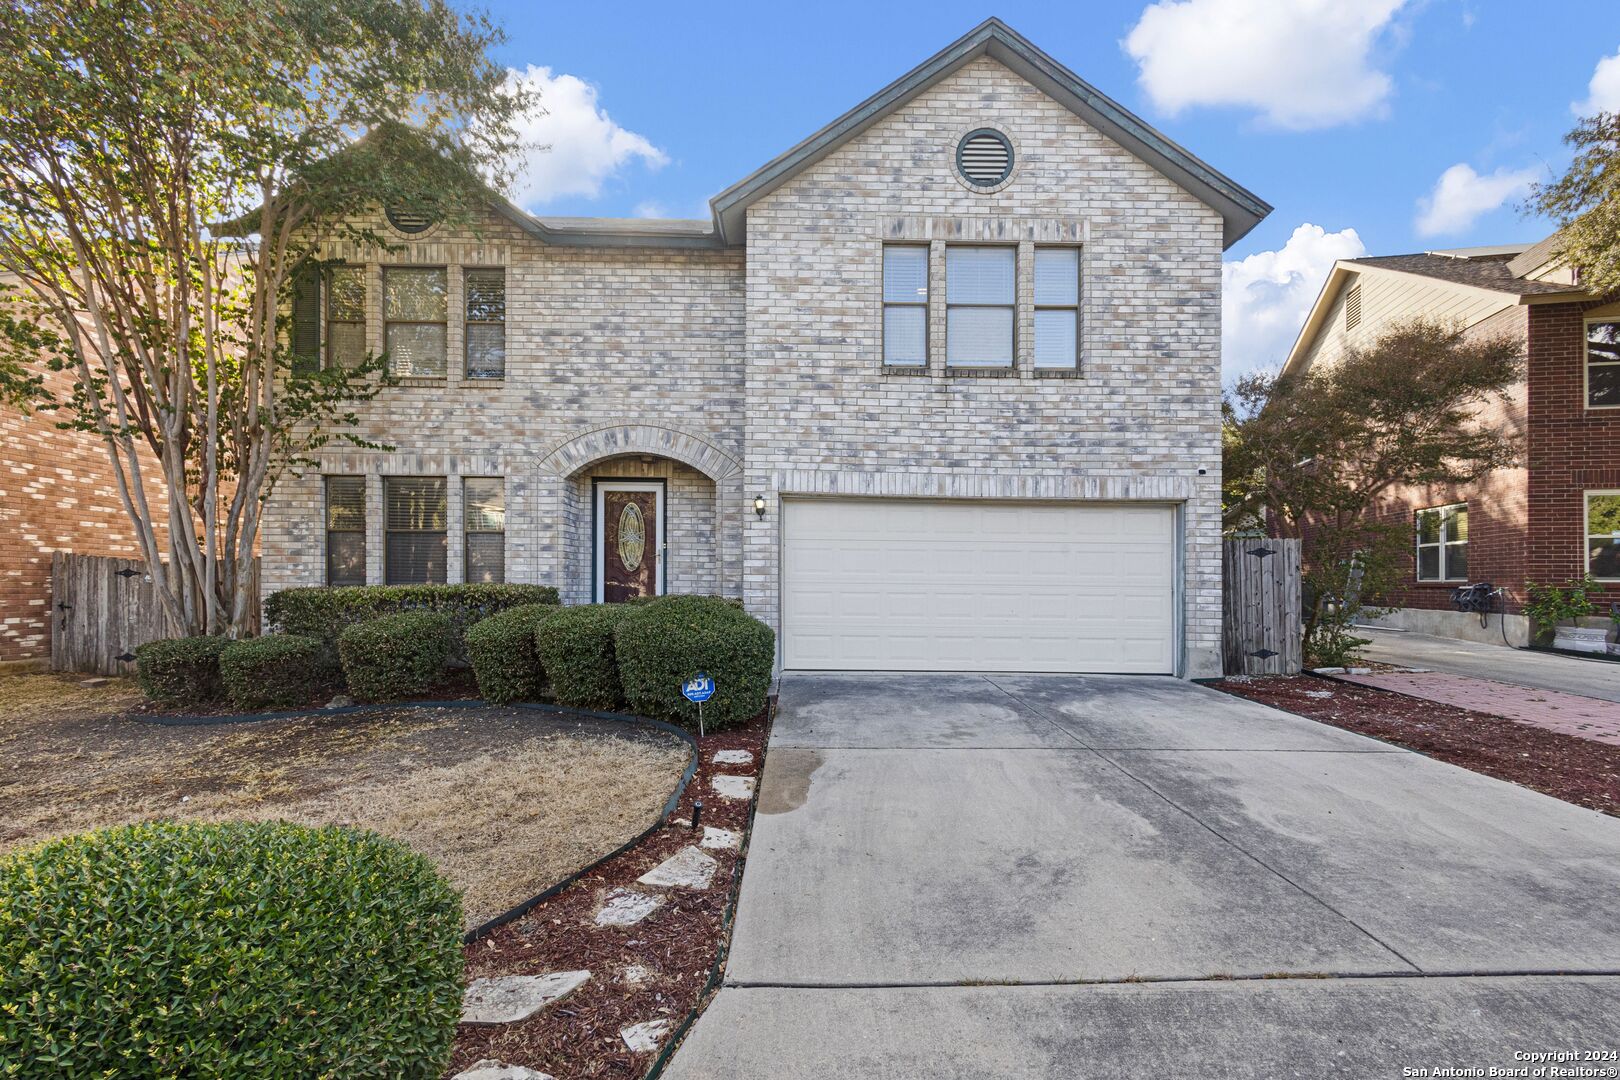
<point x="1139" y="422"/>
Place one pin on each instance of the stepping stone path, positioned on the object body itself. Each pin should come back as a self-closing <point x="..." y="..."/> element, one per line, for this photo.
<point x="626" y="907"/>
<point x="645" y="1038"/>
<point x="490" y="1069"/>
<point x="688" y="868"/>
<point x="733" y="787"/>
<point x="733" y="757"/>
<point x="720" y="839"/>
<point x="510" y="998"/>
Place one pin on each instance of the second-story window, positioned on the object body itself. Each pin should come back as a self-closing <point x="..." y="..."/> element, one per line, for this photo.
<point x="1057" y="308"/>
<point x="415" y="306"/>
<point x="905" y="305"/>
<point x="486" y="323"/>
<point x="345" y="316"/>
<point x="980" y="287"/>
<point x="1602" y="364"/>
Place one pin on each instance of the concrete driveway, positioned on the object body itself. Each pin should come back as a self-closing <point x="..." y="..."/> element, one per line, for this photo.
<point x="1044" y="876"/>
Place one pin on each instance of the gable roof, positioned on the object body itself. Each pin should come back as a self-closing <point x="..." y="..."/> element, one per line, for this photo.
<point x="1240" y="209"/>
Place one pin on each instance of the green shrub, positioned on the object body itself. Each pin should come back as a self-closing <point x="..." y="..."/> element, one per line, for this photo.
<point x="503" y="657"/>
<point x="395" y="656"/>
<point x="1551" y="605"/>
<point x="575" y="647"/>
<point x="325" y="613"/>
<point x="662" y="644"/>
<point x="222" y="951"/>
<point x="181" y="671"/>
<point x="274" y="671"/>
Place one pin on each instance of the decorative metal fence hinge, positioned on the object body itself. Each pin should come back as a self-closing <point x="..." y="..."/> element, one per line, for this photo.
<point x="126" y="572"/>
<point x="126" y="657"/>
<point x="1264" y="654"/>
<point x="1261" y="552"/>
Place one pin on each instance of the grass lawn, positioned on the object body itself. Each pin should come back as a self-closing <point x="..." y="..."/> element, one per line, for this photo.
<point x="505" y="801"/>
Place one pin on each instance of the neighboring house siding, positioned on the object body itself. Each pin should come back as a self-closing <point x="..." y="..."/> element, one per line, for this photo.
<point x="1388" y="299"/>
<point x="1139" y="422"/>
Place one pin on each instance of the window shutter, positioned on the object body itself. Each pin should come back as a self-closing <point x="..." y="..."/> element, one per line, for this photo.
<point x="306" y="322"/>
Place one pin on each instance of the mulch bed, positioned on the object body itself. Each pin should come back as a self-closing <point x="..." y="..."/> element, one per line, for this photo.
<point x="1564" y="766"/>
<point x="678" y="944"/>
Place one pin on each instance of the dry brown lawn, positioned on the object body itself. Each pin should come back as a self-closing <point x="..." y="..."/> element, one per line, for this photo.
<point x="505" y="801"/>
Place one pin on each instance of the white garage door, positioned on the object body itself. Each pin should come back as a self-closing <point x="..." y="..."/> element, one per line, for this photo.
<point x="914" y="585"/>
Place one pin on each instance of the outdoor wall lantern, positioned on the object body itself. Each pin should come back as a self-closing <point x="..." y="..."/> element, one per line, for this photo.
<point x="759" y="506"/>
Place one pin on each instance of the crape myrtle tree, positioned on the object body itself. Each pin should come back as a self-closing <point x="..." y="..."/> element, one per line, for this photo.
<point x="1310" y="454"/>
<point x="168" y="170"/>
<point x="1585" y="202"/>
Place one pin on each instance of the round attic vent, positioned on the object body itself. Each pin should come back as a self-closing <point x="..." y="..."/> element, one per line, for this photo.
<point x="408" y="220"/>
<point x="984" y="157"/>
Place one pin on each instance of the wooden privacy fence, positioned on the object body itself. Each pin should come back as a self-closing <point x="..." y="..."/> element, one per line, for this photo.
<point x="101" y="609"/>
<point x="1263" y="614"/>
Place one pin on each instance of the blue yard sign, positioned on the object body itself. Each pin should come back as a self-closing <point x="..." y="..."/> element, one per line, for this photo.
<point x="698" y="688"/>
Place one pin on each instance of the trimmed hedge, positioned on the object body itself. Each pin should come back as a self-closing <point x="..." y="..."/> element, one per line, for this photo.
<point x="662" y="644"/>
<point x="503" y="657"/>
<point x="273" y="671"/>
<point x="575" y="646"/>
<point x="395" y="656"/>
<point x="325" y="613"/>
<point x="181" y="671"/>
<point x="223" y="951"/>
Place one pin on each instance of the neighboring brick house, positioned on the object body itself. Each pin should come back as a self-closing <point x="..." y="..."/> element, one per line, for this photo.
<point x="938" y="388"/>
<point x="1539" y="522"/>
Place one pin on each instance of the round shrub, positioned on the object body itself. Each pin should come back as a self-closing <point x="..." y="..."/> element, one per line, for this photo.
<point x="242" y="949"/>
<point x="274" y="671"/>
<point x="662" y="644"/>
<point x="324" y="611"/>
<point x="503" y="657"/>
<point x="395" y="656"/>
<point x="575" y="646"/>
<point x="181" y="671"/>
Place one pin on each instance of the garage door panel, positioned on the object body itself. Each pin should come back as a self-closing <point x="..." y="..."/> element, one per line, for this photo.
<point x="914" y="584"/>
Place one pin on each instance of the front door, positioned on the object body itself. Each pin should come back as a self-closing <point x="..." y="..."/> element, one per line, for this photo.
<point x="629" y="530"/>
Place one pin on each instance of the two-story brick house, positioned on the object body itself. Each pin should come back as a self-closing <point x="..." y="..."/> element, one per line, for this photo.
<point x="937" y="388"/>
<point x="1553" y="517"/>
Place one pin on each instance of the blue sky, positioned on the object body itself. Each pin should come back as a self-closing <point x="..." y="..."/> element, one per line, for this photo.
<point x="1415" y="124"/>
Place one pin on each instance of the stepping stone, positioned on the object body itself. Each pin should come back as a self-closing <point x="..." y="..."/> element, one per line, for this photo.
<point x="688" y="868"/>
<point x="626" y="907"/>
<point x="720" y="839"/>
<point x="733" y="787"/>
<point x="490" y="1069"/>
<point x="645" y="1038"/>
<point x="733" y="757"/>
<point x="510" y="998"/>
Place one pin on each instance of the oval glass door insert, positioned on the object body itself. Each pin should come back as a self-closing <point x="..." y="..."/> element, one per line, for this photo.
<point x="632" y="536"/>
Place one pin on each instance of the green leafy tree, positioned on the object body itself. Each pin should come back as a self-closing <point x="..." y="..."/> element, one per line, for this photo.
<point x="1585" y="202"/>
<point x="167" y="171"/>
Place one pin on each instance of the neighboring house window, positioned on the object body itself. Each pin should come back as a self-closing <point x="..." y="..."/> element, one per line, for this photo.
<point x="905" y="304"/>
<point x="415" y="308"/>
<point x="1603" y="534"/>
<point x="414" y="553"/>
<point x="345" y="530"/>
<point x="328" y="318"/>
<point x="1602" y="364"/>
<point x="1057" y="308"/>
<point x="980" y="284"/>
<point x="486" y="323"/>
<point x="1442" y="543"/>
<point x="484" y="520"/>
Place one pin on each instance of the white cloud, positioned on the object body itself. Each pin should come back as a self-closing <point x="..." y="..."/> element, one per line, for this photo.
<point x="1302" y="64"/>
<point x="572" y="146"/>
<point x="1461" y="197"/>
<point x="1603" y="92"/>
<point x="1266" y="296"/>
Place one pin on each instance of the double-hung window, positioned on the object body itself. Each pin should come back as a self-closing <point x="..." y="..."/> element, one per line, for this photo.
<point x="415" y="310"/>
<point x="484" y="525"/>
<point x="1057" y="308"/>
<point x="1603" y="534"/>
<point x="415" y="541"/>
<point x="345" y="530"/>
<point x="905" y="305"/>
<point x="1442" y="543"/>
<point x="486" y="322"/>
<point x="329" y="318"/>
<point x="1602" y="364"/>
<point x="980" y="299"/>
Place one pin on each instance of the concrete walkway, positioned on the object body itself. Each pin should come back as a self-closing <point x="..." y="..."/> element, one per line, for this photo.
<point x="1550" y="710"/>
<point x="1522" y="667"/>
<point x="1046" y="876"/>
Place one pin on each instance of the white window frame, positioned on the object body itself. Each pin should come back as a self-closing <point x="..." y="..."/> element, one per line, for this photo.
<point x="1586" y="526"/>
<point x="1586" y="363"/>
<point x="1419" y="545"/>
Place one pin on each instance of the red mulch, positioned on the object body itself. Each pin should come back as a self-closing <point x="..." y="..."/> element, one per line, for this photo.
<point x="578" y="1037"/>
<point x="1564" y="766"/>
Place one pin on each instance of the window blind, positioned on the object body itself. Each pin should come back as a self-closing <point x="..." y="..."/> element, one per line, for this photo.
<point x="905" y="304"/>
<point x="346" y="315"/>
<point x="1057" y="308"/>
<point x="415" y="309"/>
<point x="486" y="323"/>
<point x="416" y="537"/>
<point x="484" y="525"/>
<point x="345" y="530"/>
<point x="980" y="285"/>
